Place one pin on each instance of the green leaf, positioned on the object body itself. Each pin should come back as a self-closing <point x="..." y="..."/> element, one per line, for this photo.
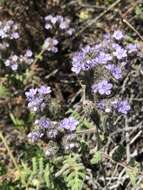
<point x="2" y="1"/>
<point x="17" y="122"/>
<point x="73" y="172"/>
<point x="132" y="173"/>
<point x="96" y="158"/>
<point x="41" y="166"/>
<point x="34" y="166"/>
<point x="139" y="12"/>
<point x="4" y="92"/>
<point x="47" y="176"/>
<point x="39" y="57"/>
<point x="119" y="153"/>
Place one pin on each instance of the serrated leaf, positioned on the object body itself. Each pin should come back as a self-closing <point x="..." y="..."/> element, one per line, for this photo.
<point x="74" y="175"/>
<point x="47" y="176"/>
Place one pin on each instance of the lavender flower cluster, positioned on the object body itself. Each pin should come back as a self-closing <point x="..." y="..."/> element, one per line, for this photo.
<point x="121" y="106"/>
<point x="8" y="30"/>
<point x="14" y="61"/>
<point x="57" y="25"/>
<point x="112" y="53"/>
<point x="69" y="124"/>
<point x="59" y="21"/>
<point x="37" y="98"/>
<point x="50" y="44"/>
<point x="50" y="130"/>
<point x="45" y="129"/>
<point x="111" y="56"/>
<point x="103" y="87"/>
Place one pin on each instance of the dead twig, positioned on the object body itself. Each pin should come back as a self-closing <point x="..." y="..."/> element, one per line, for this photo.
<point x="125" y="21"/>
<point x="131" y="8"/>
<point x="130" y="26"/>
<point x="127" y="137"/>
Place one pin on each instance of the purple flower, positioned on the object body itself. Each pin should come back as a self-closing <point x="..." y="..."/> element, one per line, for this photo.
<point x="59" y="21"/>
<point x="103" y="58"/>
<point x="115" y="46"/>
<point x="115" y="70"/>
<point x="14" y="67"/>
<point x="43" y="90"/>
<point x="51" y="19"/>
<point x="101" y="105"/>
<point x="117" y="73"/>
<point x="65" y="24"/>
<point x="69" y="124"/>
<point x="50" y="45"/>
<point x="31" y="93"/>
<point x="107" y="36"/>
<point x="35" y="104"/>
<point x="132" y="48"/>
<point x="12" y="62"/>
<point x="118" y="35"/>
<point x="104" y="106"/>
<point x="2" y="34"/>
<point x="15" y="35"/>
<point x="35" y="135"/>
<point x="28" y="53"/>
<point x="70" y="31"/>
<point x="60" y="18"/>
<point x="26" y="58"/>
<point x="48" y="26"/>
<point x="48" y="18"/>
<point x="122" y="106"/>
<point x="8" y="29"/>
<point x="43" y="123"/>
<point x="84" y="59"/>
<point x="7" y="63"/>
<point x="103" y="87"/>
<point x="54" y="20"/>
<point x="120" y="53"/>
<point x="76" y="67"/>
<point x="36" y="97"/>
<point x="14" y="58"/>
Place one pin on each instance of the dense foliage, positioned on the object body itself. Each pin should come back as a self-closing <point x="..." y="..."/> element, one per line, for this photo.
<point x="71" y="95"/>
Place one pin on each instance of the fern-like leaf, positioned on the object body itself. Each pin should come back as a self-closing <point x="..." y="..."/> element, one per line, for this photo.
<point x="73" y="172"/>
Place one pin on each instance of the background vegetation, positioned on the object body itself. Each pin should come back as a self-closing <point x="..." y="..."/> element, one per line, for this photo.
<point x="109" y="155"/>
